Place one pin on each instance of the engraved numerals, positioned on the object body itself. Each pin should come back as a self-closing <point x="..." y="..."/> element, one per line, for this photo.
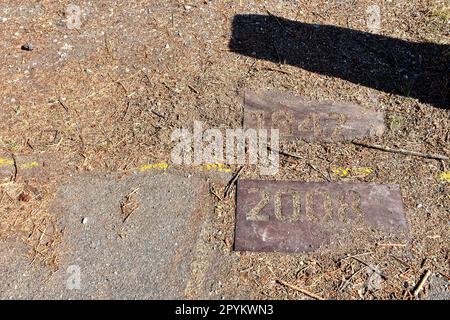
<point x="294" y="215"/>
<point x="313" y="125"/>
<point x="253" y="215"/>
<point x="320" y="213"/>
<point x="319" y="206"/>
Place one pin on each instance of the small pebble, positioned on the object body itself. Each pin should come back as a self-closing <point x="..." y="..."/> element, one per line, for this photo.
<point x="84" y="220"/>
<point x="27" y="47"/>
<point x="24" y="197"/>
<point x="309" y="272"/>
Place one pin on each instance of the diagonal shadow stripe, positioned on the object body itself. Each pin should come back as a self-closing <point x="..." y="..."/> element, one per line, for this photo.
<point x="412" y="69"/>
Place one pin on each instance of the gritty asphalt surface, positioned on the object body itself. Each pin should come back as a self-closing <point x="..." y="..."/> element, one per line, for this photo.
<point x="152" y="255"/>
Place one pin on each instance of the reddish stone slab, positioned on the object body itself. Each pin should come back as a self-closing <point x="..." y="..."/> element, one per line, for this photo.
<point x="297" y="118"/>
<point x="290" y="216"/>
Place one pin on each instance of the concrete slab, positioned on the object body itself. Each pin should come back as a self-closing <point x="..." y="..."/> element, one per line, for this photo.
<point x="159" y="252"/>
<point x="439" y="288"/>
<point x="20" y="280"/>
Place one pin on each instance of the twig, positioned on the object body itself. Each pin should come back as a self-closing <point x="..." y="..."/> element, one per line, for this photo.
<point x="401" y="261"/>
<point x="277" y="52"/>
<point x="193" y="89"/>
<point x="36" y="249"/>
<point x="275" y="17"/>
<point x="317" y="170"/>
<point x="132" y="192"/>
<point x="29" y="144"/>
<point x="371" y="268"/>
<point x="157" y="114"/>
<point x="319" y="15"/>
<point x="128" y="201"/>
<point x="14" y="177"/>
<point x="107" y="86"/>
<point x="131" y="212"/>
<point x="125" y="112"/>
<point x="356" y="255"/>
<point x="421" y="283"/>
<point x="108" y="50"/>
<point x="63" y="105"/>
<point x="304" y="291"/>
<point x="391" y="244"/>
<point x="231" y="183"/>
<point x="293" y="155"/>
<point x="213" y="191"/>
<point x="276" y="70"/>
<point x="347" y="282"/>
<point x="444" y="275"/>
<point x="402" y="275"/>
<point x="402" y="151"/>
<point x="123" y="86"/>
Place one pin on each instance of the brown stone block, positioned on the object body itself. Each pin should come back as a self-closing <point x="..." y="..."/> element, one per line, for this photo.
<point x="302" y="216"/>
<point x="297" y="118"/>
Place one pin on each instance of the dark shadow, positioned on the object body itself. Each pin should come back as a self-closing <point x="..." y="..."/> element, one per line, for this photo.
<point x="417" y="70"/>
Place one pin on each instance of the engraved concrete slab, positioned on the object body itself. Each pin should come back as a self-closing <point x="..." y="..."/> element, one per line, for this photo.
<point x="297" y="118"/>
<point x="27" y="166"/>
<point x="292" y="216"/>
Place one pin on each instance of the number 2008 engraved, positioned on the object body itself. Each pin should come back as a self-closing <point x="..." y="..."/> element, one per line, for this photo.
<point x="314" y="211"/>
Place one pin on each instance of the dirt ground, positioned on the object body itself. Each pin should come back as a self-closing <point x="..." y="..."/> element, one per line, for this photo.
<point x="105" y="97"/>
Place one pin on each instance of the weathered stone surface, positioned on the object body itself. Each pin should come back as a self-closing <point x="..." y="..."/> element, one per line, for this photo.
<point x="298" y="119"/>
<point x="300" y="217"/>
<point x="149" y="255"/>
<point x="19" y="278"/>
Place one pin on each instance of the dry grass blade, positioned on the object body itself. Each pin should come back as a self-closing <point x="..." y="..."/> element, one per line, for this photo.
<point x="285" y="153"/>
<point x="129" y="205"/>
<point x="421" y="283"/>
<point x="14" y="176"/>
<point x="232" y="182"/>
<point x="347" y="282"/>
<point x="371" y="267"/>
<point x="304" y="291"/>
<point x="402" y="151"/>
